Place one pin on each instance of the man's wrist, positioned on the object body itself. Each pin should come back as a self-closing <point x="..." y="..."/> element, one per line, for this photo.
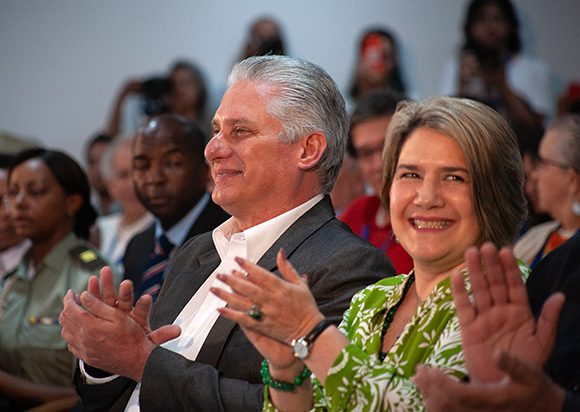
<point x="138" y="367"/>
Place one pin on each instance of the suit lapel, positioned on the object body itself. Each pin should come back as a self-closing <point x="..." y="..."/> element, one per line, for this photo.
<point x="299" y="232"/>
<point x="188" y="280"/>
<point x="290" y="240"/>
<point x="210" y="217"/>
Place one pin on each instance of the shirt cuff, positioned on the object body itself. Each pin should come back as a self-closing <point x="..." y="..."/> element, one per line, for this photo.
<point x="91" y="380"/>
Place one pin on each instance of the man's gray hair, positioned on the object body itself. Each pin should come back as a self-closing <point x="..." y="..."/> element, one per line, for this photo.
<point x="305" y="100"/>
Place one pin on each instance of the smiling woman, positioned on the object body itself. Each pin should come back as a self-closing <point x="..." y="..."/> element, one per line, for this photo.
<point x="439" y="159"/>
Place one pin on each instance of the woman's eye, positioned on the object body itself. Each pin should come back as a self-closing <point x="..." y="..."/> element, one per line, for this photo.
<point x="454" y="178"/>
<point x="38" y="192"/>
<point x="409" y="175"/>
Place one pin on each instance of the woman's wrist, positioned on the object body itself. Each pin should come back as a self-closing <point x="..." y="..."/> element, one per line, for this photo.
<point x="286" y="384"/>
<point x="309" y="323"/>
<point x="286" y="372"/>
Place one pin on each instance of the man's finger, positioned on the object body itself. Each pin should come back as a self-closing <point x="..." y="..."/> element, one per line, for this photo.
<point x="464" y="309"/>
<point x="93" y="285"/>
<point x="516" y="289"/>
<point x="97" y="307"/>
<point x="479" y="286"/>
<point x="435" y="386"/>
<point x="164" y="334"/>
<point x="548" y="322"/>
<point x="125" y="298"/>
<point x="108" y="294"/>
<point x="140" y="312"/>
<point x="494" y="274"/>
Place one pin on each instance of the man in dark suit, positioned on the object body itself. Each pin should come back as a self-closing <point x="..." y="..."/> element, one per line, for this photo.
<point x="170" y="176"/>
<point x="278" y="140"/>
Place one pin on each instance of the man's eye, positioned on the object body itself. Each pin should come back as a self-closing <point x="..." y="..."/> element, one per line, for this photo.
<point x="173" y="163"/>
<point x="240" y="130"/>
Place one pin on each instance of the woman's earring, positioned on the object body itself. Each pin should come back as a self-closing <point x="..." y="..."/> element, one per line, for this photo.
<point x="576" y="207"/>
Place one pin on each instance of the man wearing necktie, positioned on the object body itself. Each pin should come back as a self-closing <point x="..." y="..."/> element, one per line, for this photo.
<point x="170" y="177"/>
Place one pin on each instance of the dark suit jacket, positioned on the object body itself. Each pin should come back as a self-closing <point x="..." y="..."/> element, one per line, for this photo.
<point x="141" y="245"/>
<point x="225" y="376"/>
<point x="560" y="271"/>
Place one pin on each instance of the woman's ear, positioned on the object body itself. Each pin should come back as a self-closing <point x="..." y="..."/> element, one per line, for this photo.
<point x="312" y="148"/>
<point x="73" y="204"/>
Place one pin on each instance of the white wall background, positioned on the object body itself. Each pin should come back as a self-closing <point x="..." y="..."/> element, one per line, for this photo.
<point x="62" y="61"/>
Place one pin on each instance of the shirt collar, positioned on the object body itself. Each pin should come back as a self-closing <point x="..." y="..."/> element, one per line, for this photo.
<point x="54" y="259"/>
<point x="11" y="257"/>
<point x="258" y="239"/>
<point x="178" y="232"/>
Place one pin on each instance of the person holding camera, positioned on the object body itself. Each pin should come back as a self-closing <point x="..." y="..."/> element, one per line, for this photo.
<point x="491" y="68"/>
<point x="183" y="92"/>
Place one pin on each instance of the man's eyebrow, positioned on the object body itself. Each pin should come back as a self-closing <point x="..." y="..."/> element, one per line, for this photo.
<point x="232" y="121"/>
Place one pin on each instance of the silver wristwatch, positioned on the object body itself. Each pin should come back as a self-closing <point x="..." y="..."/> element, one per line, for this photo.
<point x="301" y="346"/>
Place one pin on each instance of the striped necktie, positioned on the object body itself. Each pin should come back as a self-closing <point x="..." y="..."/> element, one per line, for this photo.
<point x="153" y="276"/>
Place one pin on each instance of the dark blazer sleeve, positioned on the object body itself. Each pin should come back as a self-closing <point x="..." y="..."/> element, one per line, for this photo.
<point x="112" y="396"/>
<point x="225" y="376"/>
<point x="571" y="402"/>
<point x="560" y="271"/>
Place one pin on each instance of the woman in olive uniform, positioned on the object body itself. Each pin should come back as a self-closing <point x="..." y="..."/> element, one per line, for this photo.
<point x="48" y="199"/>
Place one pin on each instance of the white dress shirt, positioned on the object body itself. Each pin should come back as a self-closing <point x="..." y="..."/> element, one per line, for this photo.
<point x="200" y="313"/>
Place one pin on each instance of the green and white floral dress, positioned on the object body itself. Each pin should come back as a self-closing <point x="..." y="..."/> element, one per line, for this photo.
<point x="360" y="381"/>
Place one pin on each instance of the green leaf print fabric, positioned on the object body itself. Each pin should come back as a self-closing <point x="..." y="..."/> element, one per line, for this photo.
<point x="359" y="381"/>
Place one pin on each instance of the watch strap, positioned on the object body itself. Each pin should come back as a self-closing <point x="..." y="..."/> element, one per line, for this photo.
<point x="316" y="331"/>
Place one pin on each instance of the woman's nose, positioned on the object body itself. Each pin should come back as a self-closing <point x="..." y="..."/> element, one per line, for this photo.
<point x="429" y="194"/>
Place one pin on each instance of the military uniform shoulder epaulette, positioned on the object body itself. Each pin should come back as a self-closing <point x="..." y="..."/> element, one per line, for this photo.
<point x="88" y="257"/>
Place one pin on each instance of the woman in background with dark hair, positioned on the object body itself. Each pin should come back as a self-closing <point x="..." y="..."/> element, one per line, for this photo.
<point x="377" y="64"/>
<point x="49" y="200"/>
<point x="491" y="68"/>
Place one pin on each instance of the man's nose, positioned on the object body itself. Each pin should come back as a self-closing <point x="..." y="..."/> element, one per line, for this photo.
<point x="155" y="175"/>
<point x="217" y="147"/>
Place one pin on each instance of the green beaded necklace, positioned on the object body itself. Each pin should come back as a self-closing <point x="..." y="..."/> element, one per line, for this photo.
<point x="391" y="314"/>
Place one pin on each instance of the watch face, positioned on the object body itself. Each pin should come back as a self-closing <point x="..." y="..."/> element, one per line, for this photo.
<point x="300" y="349"/>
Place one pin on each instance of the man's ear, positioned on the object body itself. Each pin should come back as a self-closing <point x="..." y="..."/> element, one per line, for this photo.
<point x="574" y="186"/>
<point x="73" y="203"/>
<point x="312" y="148"/>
